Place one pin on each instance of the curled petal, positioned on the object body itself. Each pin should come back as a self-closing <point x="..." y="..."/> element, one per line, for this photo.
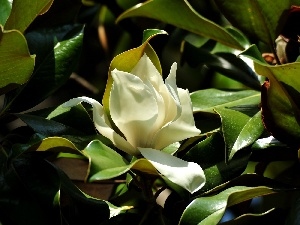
<point x="180" y="129"/>
<point x="173" y="90"/>
<point x="166" y="94"/>
<point x="188" y="175"/>
<point x="102" y="126"/>
<point x="133" y="108"/>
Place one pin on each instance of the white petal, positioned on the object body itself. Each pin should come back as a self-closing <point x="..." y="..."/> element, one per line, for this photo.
<point x="188" y="175"/>
<point x="167" y="105"/>
<point x="174" y="101"/>
<point x="145" y="70"/>
<point x="180" y="129"/>
<point x="133" y="108"/>
<point x="102" y="126"/>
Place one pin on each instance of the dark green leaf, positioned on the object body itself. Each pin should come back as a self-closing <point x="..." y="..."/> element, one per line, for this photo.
<point x="47" y="127"/>
<point x="74" y="117"/>
<point x="227" y="64"/>
<point x="210" y="154"/>
<point x="209" y="99"/>
<point x="57" y="51"/>
<point x="5" y="10"/>
<point x="258" y="19"/>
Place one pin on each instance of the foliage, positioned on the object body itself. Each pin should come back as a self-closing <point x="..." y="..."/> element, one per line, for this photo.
<point x="239" y="61"/>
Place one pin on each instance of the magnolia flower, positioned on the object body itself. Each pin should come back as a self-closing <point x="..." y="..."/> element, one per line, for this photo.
<point x="150" y="115"/>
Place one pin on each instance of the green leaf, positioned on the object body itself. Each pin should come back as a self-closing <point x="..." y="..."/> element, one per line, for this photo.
<point x="168" y="11"/>
<point x="280" y="100"/>
<point x="210" y="155"/>
<point x="141" y="165"/>
<point x="253" y="53"/>
<point x="103" y="159"/>
<point x="24" y="12"/>
<point x="210" y="210"/>
<point x="55" y="62"/>
<point x="75" y="117"/>
<point x="227" y="64"/>
<point x="47" y="127"/>
<point x="16" y="64"/>
<point x="56" y="144"/>
<point x="258" y="19"/>
<point x="239" y="130"/>
<point x="249" y="134"/>
<point x="209" y="99"/>
<point x="5" y="10"/>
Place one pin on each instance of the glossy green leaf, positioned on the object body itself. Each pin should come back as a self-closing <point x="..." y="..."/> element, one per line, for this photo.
<point x="74" y="117"/>
<point x="127" y="60"/>
<point x="280" y="98"/>
<point x="5" y="10"/>
<point x="209" y="99"/>
<point x="56" y="144"/>
<point x="16" y="63"/>
<point x="249" y="134"/>
<point x="47" y="127"/>
<point x="253" y="53"/>
<point x="55" y="62"/>
<point x="239" y="130"/>
<point x="280" y="101"/>
<point x="226" y="63"/>
<point x="210" y="155"/>
<point x="258" y="18"/>
<point x="103" y="159"/>
<point x="210" y="210"/>
<point x="23" y="12"/>
<point x="168" y="11"/>
<point x="142" y="165"/>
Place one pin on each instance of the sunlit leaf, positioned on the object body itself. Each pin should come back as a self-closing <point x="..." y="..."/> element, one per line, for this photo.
<point x="280" y="98"/>
<point x="23" y="12"/>
<point x="56" y="144"/>
<point x="103" y="159"/>
<point x="210" y="210"/>
<point x="5" y="10"/>
<point x="16" y="64"/>
<point x="168" y="11"/>
<point x="250" y="132"/>
<point x="239" y="130"/>
<point x="142" y="165"/>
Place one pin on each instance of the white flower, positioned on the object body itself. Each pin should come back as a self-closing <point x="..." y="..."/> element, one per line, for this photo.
<point x="150" y="115"/>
